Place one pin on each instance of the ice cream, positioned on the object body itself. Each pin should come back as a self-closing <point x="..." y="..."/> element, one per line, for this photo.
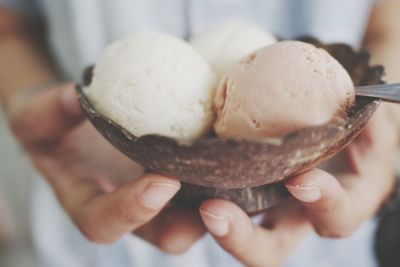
<point x="152" y="83"/>
<point x="279" y="89"/>
<point x="227" y="43"/>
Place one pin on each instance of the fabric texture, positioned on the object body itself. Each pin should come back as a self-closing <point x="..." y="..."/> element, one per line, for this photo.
<point x="28" y="7"/>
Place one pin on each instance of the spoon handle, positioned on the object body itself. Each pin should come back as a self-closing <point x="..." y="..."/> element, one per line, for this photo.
<point x="389" y="92"/>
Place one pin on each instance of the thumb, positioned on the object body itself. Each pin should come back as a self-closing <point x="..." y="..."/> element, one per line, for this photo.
<point x="48" y="116"/>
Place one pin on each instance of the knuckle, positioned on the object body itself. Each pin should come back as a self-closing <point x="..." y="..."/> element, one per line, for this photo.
<point x="91" y="232"/>
<point x="234" y="247"/>
<point x="324" y="206"/>
<point x="127" y="216"/>
<point x="341" y="231"/>
<point x="127" y="213"/>
<point x="171" y="246"/>
<point x="168" y="248"/>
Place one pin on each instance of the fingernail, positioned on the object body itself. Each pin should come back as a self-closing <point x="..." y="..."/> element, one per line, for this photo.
<point x="306" y="194"/>
<point x="158" y="194"/>
<point x="218" y="225"/>
<point x="70" y="101"/>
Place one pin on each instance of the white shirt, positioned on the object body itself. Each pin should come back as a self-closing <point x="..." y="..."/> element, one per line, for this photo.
<point x="79" y="31"/>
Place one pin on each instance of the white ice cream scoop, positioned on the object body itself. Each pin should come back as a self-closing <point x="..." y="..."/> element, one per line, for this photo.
<point x="225" y="44"/>
<point x="153" y="83"/>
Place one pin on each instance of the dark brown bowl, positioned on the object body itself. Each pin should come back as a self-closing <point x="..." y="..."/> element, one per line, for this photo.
<point x="248" y="172"/>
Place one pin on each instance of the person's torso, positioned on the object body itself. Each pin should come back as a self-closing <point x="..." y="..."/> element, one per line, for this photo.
<point x="79" y="30"/>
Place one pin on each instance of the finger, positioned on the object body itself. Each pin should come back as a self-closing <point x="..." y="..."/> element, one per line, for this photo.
<point x="337" y="209"/>
<point x="104" y="218"/>
<point x="47" y="116"/>
<point x="375" y="148"/>
<point x="333" y="211"/>
<point x="174" y="230"/>
<point x="253" y="245"/>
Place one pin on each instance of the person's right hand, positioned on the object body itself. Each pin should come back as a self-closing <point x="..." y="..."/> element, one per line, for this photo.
<point x="82" y="168"/>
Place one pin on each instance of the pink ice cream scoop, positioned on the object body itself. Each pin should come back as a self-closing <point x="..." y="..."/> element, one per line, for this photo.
<point x="281" y="88"/>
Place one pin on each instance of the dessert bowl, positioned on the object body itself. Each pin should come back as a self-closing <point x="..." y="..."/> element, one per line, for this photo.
<point x="247" y="172"/>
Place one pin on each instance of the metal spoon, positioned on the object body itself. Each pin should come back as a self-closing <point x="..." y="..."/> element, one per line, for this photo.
<point x="389" y="92"/>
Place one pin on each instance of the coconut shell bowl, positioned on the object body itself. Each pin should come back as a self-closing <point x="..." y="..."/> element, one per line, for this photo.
<point x="249" y="173"/>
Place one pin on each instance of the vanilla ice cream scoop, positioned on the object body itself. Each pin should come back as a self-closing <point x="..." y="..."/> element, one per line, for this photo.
<point x="152" y="83"/>
<point x="225" y="44"/>
<point x="282" y="88"/>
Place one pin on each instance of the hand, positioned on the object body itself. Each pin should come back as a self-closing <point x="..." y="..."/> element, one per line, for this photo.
<point x="90" y="177"/>
<point x="268" y="244"/>
<point x="336" y="207"/>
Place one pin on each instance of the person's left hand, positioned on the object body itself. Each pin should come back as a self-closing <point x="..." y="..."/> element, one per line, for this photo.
<point x="364" y="179"/>
<point x="335" y="207"/>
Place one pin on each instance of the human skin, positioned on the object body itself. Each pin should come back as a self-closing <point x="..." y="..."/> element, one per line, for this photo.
<point x="383" y="40"/>
<point x="50" y="123"/>
<point x="6" y="220"/>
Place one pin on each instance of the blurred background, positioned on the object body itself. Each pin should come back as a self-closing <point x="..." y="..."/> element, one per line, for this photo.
<point x="16" y="180"/>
